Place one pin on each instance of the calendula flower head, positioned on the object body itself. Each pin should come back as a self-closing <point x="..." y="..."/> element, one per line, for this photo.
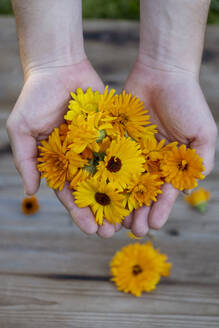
<point x="91" y="132"/>
<point x="106" y="99"/>
<point x="198" y="199"/>
<point x="87" y="102"/>
<point x="137" y="268"/>
<point x="182" y="167"/>
<point x="130" y="202"/>
<point x="145" y="189"/>
<point x="82" y="103"/>
<point x="154" y="152"/>
<point x="81" y="175"/>
<point x="128" y="116"/>
<point x="57" y="164"/>
<point x="30" y="205"/>
<point x="123" y="159"/>
<point x="103" y="199"/>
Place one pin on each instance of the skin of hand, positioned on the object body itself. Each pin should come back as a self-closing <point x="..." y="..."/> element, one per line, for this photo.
<point x="54" y="64"/>
<point x="166" y="77"/>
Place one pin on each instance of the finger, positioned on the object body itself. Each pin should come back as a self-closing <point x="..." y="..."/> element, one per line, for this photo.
<point x="205" y="143"/>
<point x="207" y="152"/>
<point x="187" y="191"/>
<point x="160" y="210"/>
<point x="127" y="222"/>
<point x="118" y="227"/>
<point x="106" y="230"/>
<point x="82" y="217"/>
<point x="25" y="158"/>
<point x="140" y="221"/>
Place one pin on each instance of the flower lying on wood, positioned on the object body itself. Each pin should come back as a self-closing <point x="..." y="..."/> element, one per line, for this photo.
<point x="30" y="205"/>
<point x="137" y="268"/>
<point x="107" y="151"/>
<point x="198" y="199"/>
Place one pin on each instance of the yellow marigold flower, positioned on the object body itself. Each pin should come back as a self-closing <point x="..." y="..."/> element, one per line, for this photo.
<point x="86" y="132"/>
<point x="81" y="175"/>
<point x="82" y="103"/>
<point x="123" y="159"/>
<point x="198" y="199"/>
<point x="132" y="236"/>
<point x="127" y="115"/>
<point x="130" y="202"/>
<point x="88" y="102"/>
<point x="145" y="189"/>
<point x="57" y="164"/>
<point x="30" y="205"/>
<point x="106" y="99"/>
<point x="103" y="199"/>
<point x="137" y="268"/>
<point x="181" y="167"/>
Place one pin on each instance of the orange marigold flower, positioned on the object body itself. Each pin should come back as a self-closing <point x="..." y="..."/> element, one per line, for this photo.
<point x="87" y="153"/>
<point x="154" y="152"/>
<point x="128" y="115"/>
<point x="123" y="159"/>
<point x="137" y="268"/>
<point x="57" y="164"/>
<point x="63" y="130"/>
<point x="181" y="167"/>
<point x="145" y="189"/>
<point x="198" y="199"/>
<point x="30" y="205"/>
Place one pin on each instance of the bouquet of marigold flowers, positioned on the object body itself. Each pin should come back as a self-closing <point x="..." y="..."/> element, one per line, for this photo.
<point x="107" y="151"/>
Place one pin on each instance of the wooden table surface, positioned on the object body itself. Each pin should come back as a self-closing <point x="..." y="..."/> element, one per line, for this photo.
<point x="52" y="275"/>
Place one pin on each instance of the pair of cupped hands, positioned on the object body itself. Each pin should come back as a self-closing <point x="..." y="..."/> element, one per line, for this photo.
<point x="176" y="105"/>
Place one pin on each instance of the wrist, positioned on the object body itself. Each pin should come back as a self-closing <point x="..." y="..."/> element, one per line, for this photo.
<point x="172" y="33"/>
<point x="50" y="33"/>
<point x="64" y="58"/>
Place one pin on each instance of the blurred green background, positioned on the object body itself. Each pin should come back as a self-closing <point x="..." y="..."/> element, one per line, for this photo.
<point x="115" y="9"/>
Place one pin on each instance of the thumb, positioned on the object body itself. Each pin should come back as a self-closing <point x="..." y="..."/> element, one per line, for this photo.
<point x="25" y="158"/>
<point x="205" y="146"/>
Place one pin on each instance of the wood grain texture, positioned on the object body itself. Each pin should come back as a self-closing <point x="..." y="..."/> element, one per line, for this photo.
<point x="53" y="275"/>
<point x="34" y="301"/>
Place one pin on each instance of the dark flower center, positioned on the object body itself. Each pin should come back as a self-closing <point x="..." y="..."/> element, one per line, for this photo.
<point x="114" y="164"/>
<point x="60" y="164"/>
<point x="136" y="270"/>
<point x="28" y="205"/>
<point x="102" y="198"/>
<point x="183" y="165"/>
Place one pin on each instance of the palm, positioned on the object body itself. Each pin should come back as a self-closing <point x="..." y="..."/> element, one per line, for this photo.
<point x="39" y="109"/>
<point x="178" y="108"/>
<point x="44" y="98"/>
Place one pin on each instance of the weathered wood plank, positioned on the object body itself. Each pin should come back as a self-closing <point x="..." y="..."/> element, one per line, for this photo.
<point x="31" y="301"/>
<point x="193" y="259"/>
<point x="49" y="243"/>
